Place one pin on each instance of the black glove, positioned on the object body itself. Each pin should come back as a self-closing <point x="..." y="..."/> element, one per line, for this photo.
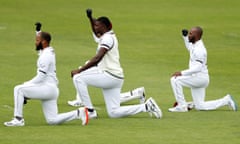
<point x="38" y="26"/>
<point x="184" y="32"/>
<point x="89" y="13"/>
<point x="25" y="100"/>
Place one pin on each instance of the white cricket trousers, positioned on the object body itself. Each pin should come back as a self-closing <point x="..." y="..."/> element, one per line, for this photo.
<point x="198" y="84"/>
<point x="48" y="94"/>
<point x="111" y="88"/>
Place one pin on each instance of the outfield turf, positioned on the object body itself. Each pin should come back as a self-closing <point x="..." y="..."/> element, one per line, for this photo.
<point x="151" y="49"/>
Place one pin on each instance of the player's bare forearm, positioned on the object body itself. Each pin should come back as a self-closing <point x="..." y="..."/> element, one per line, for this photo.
<point x="92" y="22"/>
<point x="92" y="62"/>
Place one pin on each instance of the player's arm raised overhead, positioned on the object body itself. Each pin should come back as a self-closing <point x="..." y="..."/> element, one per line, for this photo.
<point x="92" y="20"/>
<point x="185" y="38"/>
<point x="38" y="27"/>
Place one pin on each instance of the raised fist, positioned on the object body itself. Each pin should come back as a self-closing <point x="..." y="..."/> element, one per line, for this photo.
<point x="89" y="13"/>
<point x="184" y="32"/>
<point x="38" y="26"/>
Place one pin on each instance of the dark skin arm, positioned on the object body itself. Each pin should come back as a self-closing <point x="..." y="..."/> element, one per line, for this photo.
<point x="92" y="21"/>
<point x="92" y="62"/>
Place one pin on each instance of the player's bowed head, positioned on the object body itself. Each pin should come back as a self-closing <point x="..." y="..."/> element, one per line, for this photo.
<point x="43" y="40"/>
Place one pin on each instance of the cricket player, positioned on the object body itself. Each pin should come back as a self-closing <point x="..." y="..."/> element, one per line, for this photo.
<point x="104" y="71"/>
<point x="44" y="87"/>
<point x="196" y="77"/>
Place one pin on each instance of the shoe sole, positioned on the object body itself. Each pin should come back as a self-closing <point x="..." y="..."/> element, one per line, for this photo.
<point x="86" y="114"/>
<point x="235" y="104"/>
<point x="181" y="111"/>
<point x="74" y="105"/>
<point x="13" y="125"/>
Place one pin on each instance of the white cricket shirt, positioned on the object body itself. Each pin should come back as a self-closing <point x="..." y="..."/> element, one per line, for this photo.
<point x="46" y="67"/>
<point x="198" y="57"/>
<point x="111" y="60"/>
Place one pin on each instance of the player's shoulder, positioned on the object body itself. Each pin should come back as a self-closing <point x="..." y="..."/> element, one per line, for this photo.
<point x="49" y="50"/>
<point x="48" y="53"/>
<point x="110" y="34"/>
<point x="107" y="38"/>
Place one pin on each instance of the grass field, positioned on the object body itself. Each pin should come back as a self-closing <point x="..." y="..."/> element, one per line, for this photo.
<point x="151" y="49"/>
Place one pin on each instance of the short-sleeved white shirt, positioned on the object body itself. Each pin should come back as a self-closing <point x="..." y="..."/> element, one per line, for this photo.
<point x="47" y="64"/>
<point x="198" y="57"/>
<point x="111" y="60"/>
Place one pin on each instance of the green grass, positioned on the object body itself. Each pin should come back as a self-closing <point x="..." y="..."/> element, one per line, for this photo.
<point x="151" y="49"/>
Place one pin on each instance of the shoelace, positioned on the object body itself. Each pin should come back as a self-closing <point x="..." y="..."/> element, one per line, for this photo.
<point x="153" y="107"/>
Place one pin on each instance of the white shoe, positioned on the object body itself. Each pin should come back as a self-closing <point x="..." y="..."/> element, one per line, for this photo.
<point x="178" y="108"/>
<point x="75" y="103"/>
<point x="190" y="105"/>
<point x="140" y="92"/>
<point x="92" y="115"/>
<point x="82" y="113"/>
<point x="231" y="102"/>
<point x="15" y="122"/>
<point x="153" y="108"/>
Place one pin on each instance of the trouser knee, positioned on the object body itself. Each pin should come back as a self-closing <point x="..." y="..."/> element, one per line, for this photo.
<point x="174" y="81"/>
<point x="199" y="106"/>
<point x="112" y="114"/>
<point x="16" y="88"/>
<point x="51" y="121"/>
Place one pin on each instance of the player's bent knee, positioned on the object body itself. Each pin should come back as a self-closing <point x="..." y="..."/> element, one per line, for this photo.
<point x="16" y="88"/>
<point x="77" y="78"/>
<point x="199" y="106"/>
<point x="52" y="122"/>
<point x="113" y="114"/>
<point x="173" y="79"/>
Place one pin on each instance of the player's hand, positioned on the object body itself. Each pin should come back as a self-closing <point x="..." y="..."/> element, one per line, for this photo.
<point x="89" y="13"/>
<point x="38" y="26"/>
<point x="176" y="74"/>
<point x="74" y="72"/>
<point x="184" y="32"/>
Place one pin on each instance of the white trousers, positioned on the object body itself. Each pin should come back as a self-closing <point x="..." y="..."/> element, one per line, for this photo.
<point x="48" y="94"/>
<point x="198" y="84"/>
<point x="111" y="88"/>
<point x="124" y="97"/>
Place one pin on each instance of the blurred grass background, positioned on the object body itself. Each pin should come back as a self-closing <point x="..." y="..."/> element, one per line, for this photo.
<point x="151" y="49"/>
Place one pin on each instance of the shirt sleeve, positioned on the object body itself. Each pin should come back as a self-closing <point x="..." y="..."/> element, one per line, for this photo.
<point x="107" y="42"/>
<point x="37" y="32"/>
<point x="40" y="77"/>
<point x="197" y="62"/>
<point x="186" y="42"/>
<point x="194" y="69"/>
<point x="43" y="66"/>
